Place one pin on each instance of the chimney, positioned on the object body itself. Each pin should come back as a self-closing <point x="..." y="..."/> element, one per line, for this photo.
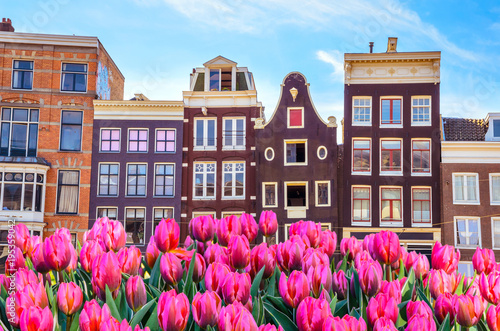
<point x="6" y="25"/>
<point x="392" y="44"/>
<point x="371" y="46"/>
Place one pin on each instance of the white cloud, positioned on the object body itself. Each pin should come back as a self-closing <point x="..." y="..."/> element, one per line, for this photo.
<point x="335" y="58"/>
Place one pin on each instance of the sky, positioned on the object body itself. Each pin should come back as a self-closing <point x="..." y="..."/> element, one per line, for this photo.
<point x="157" y="43"/>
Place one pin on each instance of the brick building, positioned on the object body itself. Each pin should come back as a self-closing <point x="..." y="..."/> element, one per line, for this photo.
<point x="47" y="86"/>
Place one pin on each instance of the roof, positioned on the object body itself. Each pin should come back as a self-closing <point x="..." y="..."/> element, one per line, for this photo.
<point x="22" y="159"/>
<point x="464" y="129"/>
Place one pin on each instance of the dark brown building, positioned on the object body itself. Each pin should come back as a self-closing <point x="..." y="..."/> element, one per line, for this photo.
<point x="297" y="160"/>
<point x="392" y="145"/>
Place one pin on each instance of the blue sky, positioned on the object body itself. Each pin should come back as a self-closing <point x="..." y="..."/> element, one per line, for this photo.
<point x="156" y="43"/>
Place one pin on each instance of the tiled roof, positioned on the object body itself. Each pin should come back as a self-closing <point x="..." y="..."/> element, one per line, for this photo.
<point x="464" y="129"/>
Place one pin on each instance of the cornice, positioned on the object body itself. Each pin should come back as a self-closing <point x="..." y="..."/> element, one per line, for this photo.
<point x="140" y="104"/>
<point x="392" y="57"/>
<point x="48" y="39"/>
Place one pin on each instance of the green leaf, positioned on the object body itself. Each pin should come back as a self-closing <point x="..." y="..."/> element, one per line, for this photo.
<point x="3" y="292"/>
<point x="3" y="314"/>
<point x="460" y="288"/>
<point x="111" y="304"/>
<point x="341" y="308"/>
<point x="481" y="326"/>
<point x="74" y="324"/>
<point x="189" y="279"/>
<point x="140" y="314"/>
<point x="155" y="273"/>
<point x="278" y="303"/>
<point x="407" y="290"/>
<point x="256" y="308"/>
<point x="445" y="326"/>
<point x="402" y="270"/>
<point x="271" y="289"/>
<point x="402" y="318"/>
<point x="343" y="265"/>
<point x="355" y="313"/>
<point x="254" y="290"/>
<point x="279" y="318"/>
<point x="153" y="320"/>
<point x="424" y="298"/>
<point x="333" y="304"/>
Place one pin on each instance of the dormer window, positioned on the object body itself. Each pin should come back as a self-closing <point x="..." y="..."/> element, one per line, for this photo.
<point x="220" y="79"/>
<point x="496" y="128"/>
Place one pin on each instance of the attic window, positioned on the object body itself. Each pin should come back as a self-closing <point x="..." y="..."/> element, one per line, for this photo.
<point x="496" y="128"/>
<point x="200" y="82"/>
<point x="220" y="79"/>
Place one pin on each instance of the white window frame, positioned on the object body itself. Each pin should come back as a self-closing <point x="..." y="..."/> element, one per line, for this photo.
<point x="86" y="77"/>
<point x="32" y="75"/>
<point x="393" y="97"/>
<point x="126" y="179"/>
<point x="154" y="184"/>
<point x="493" y="220"/>
<point x="57" y="191"/>
<point x="391" y="223"/>
<point x="414" y="97"/>
<point x="275" y="184"/>
<point x="204" y="196"/>
<point x="147" y="140"/>
<point x="205" y="146"/>
<point x="119" y="140"/>
<point x="417" y="224"/>
<point x="391" y="173"/>
<point x="296" y="183"/>
<point x="288" y="225"/>
<point x="362" y="173"/>
<point x="232" y="212"/>
<point x="153" y="215"/>
<point x="467" y="218"/>
<point x="175" y="140"/>
<point x="265" y="154"/>
<point x="233" y="173"/>
<point x="106" y="207"/>
<point x="318" y="151"/>
<point x="99" y="179"/>
<point x="224" y="129"/>
<point x="424" y="174"/>
<point x="316" y="193"/>
<point x="357" y="222"/>
<point x="202" y="213"/>
<point x="295" y="141"/>
<point x="288" y="125"/>
<point x="125" y="225"/>
<point x="369" y="123"/>
<point x="493" y="202"/>
<point x="465" y="202"/>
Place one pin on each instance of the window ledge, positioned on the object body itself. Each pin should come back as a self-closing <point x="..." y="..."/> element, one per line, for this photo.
<point x="473" y="203"/>
<point x="203" y="198"/>
<point x="418" y="225"/>
<point x="420" y="174"/>
<point x="202" y="148"/>
<point x="234" y="148"/>
<point x="367" y="223"/>
<point x="136" y="196"/>
<point x="391" y="173"/>
<point x="233" y="198"/>
<point x="61" y="151"/>
<point x="295" y="164"/>
<point x="361" y="124"/>
<point x="391" y="126"/>
<point x="421" y="124"/>
<point x="164" y="196"/>
<point x="392" y="225"/>
<point x="361" y="173"/>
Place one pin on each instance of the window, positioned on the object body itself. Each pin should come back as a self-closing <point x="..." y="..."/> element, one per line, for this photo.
<point x="391" y="112"/>
<point x="71" y="130"/>
<point x="110" y="140"/>
<point x="361" y="155"/>
<point x="108" y="179"/>
<point x="496" y="128"/>
<point x="361" y="110"/>
<point x="220" y="79"/>
<point x="269" y="154"/>
<point x="495" y="189"/>
<point x="165" y="141"/>
<point x="234" y="133"/>
<point x="109" y="212"/>
<point x="214" y="79"/>
<point x="495" y="224"/>
<point x="161" y="213"/>
<point x="296" y="152"/>
<point x="465" y="189"/>
<point x="361" y="199"/>
<point x="22" y="75"/>
<point x="164" y="180"/>
<point x="390" y="156"/>
<point x="22" y="191"/>
<point x="234" y="180"/>
<point x="138" y="140"/>
<point x="421" y="206"/>
<point x="295" y="117"/>
<point x="68" y="191"/>
<point x="467" y="231"/>
<point x="74" y="77"/>
<point x="269" y="199"/>
<point x="323" y="193"/>
<point x="74" y="239"/>
<point x="421" y="156"/>
<point x="204" y="134"/>
<point x="391" y="206"/>
<point x="204" y="180"/>
<point x="421" y="110"/>
<point x="19" y="132"/>
<point x="134" y="225"/>
<point x="237" y="213"/>
<point x="136" y="180"/>
<point x="322" y="152"/>
<point x="203" y="213"/>
<point x="296" y="195"/>
<point x="466" y="269"/>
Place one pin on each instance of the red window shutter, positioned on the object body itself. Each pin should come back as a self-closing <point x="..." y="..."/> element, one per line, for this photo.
<point x="296" y="117"/>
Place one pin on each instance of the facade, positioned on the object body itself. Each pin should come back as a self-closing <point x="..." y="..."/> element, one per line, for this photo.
<point x="137" y="164"/>
<point x="219" y="142"/>
<point x="48" y="84"/>
<point x="470" y="172"/>
<point x="297" y="160"/>
<point x="391" y="152"/>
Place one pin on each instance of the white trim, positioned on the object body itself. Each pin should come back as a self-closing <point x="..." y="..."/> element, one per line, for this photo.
<point x="390" y="97"/>
<point x="362" y="173"/>
<point x="119" y="140"/>
<point x="74" y="72"/>
<point x="430" y="110"/>
<point x="106" y="207"/>
<point x="233" y="179"/>
<point x="296" y="183"/>
<point x="470" y="152"/>
<point x="467" y="219"/>
<point x="391" y="223"/>
<point x="318" y="150"/>
<point x="493" y="220"/>
<point x="288" y="117"/>
<point x="28" y="122"/>
<point x="204" y="146"/>
<point x="465" y="202"/>
<point x="391" y="173"/>
<point x="154" y="181"/>
<point x="275" y="184"/>
<point x="422" y="174"/>
<point x="295" y="141"/>
<point x="316" y="193"/>
<point x="493" y="202"/>
<point x="204" y="173"/>
<point x="126" y="180"/>
<point x="361" y="223"/>
<point x="48" y="39"/>
<point x="99" y="179"/>
<point x="265" y="154"/>
<point x="421" y="225"/>
<point x="369" y="123"/>
<point x="233" y="146"/>
<point x="147" y="140"/>
<point x="175" y="140"/>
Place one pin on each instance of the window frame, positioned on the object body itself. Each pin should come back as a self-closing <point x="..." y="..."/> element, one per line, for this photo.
<point x="233" y="137"/>
<point x="490" y="182"/>
<point x="233" y="173"/>
<point x="265" y="154"/>
<point x="61" y="131"/>
<point x="288" y="125"/>
<point x="423" y="173"/>
<point x="296" y="183"/>
<point x="361" y="222"/>
<point x="368" y="123"/>
<point x="202" y="213"/>
<point x="391" y="172"/>
<point x="175" y="140"/>
<point x="173" y="180"/>
<point x="231" y="212"/>
<point x="361" y="172"/>
<point x="138" y="140"/>
<point x="58" y="191"/>
<point x="145" y="181"/>
<point x="106" y="207"/>
<point x="295" y="141"/>
<point x="316" y="197"/>
<point x="465" y="202"/>
<point x="391" y="223"/>
<point x="204" y="187"/>
<point x="24" y="182"/>
<point x="455" y="233"/>
<point x="99" y="179"/>
<point x="421" y="224"/>
<point x="23" y="70"/>
<point x="391" y="125"/>
<point x="495" y="134"/>
<point x="125" y="219"/>
<point x="74" y="72"/>
<point x="414" y="97"/>
<point x="110" y="140"/>
<point x="205" y="146"/>
<point x="11" y="123"/>
<point x="275" y="184"/>
<point x="153" y="216"/>
<point x="493" y="220"/>
<point x="318" y="151"/>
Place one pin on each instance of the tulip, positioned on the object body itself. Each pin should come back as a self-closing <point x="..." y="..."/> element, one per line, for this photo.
<point x="361" y="258"/>
<point x="319" y="277"/>
<point x="199" y="267"/>
<point x="352" y="245"/>
<point x="239" y="252"/>
<point x="130" y="260"/>
<point x="268" y="223"/>
<point x="261" y="256"/>
<point x="227" y="316"/>
<point x="249" y="227"/>
<point x="440" y="282"/>
<point x="483" y="260"/>
<point x="203" y="228"/>
<point x="113" y="235"/>
<point x="33" y="241"/>
<point x="215" y="276"/>
<point x="135" y="293"/>
<point x="490" y="287"/>
<point x="214" y="252"/>
<point x="420" y="322"/>
<point x="421" y="266"/>
<point x="173" y="311"/>
<point x="171" y="269"/>
<point x="69" y="298"/>
<point x="328" y="242"/>
<point x="444" y="306"/>
<point x="206" y="309"/>
<point x="270" y="327"/>
<point x="312" y="313"/>
<point x="152" y="252"/>
<point x="468" y="309"/>
<point x="92" y="315"/>
<point x="384" y="324"/>
<point x="57" y="252"/>
<point x="236" y="287"/>
<point x="36" y="318"/>
<point x="380" y="306"/>
<point x="244" y="321"/>
<point x="33" y="294"/>
<point x="5" y="282"/>
<point x="24" y="277"/>
<point x="293" y="289"/>
<point x="228" y="227"/>
<point x="403" y="254"/>
<point x="492" y="318"/>
<point x="472" y="284"/>
<point x="346" y="323"/>
<point x="393" y="289"/>
<point x="386" y="247"/>
<point x="74" y="260"/>
<point x="289" y="254"/>
<point x="14" y="262"/>
<point x="370" y="277"/>
<point x="112" y="324"/>
<point x="309" y="229"/>
<point x="445" y="258"/>
<point x="22" y="238"/>
<point x="314" y="257"/>
<point x="90" y="251"/>
<point x="414" y="308"/>
<point x="339" y="284"/>
<point x="167" y="235"/>
<point x="106" y="271"/>
<point x="368" y="243"/>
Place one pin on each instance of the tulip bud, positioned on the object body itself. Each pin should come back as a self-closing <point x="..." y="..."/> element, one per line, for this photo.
<point x="74" y="260"/>
<point x="171" y="269"/>
<point x="309" y="229"/>
<point x="339" y="284"/>
<point x="347" y="323"/>
<point x="203" y="228"/>
<point x="239" y="252"/>
<point x="444" y="306"/>
<point x="228" y="227"/>
<point x="135" y="293"/>
<point x="361" y="258"/>
<point x="445" y="258"/>
<point x="314" y="257"/>
<point x="92" y="316"/>
<point x="312" y="313"/>
<point x="386" y="247"/>
<point x="483" y="260"/>
<point x="352" y="245"/>
<point x="152" y="253"/>
<point x="468" y="309"/>
<point x="382" y="306"/>
<point x="199" y="267"/>
<point x="368" y="243"/>
<point x="414" y="308"/>
<point x="14" y="262"/>
<point x="328" y="242"/>
<point x="244" y="321"/>
<point x="270" y="327"/>
<point x="236" y="287"/>
<point x="392" y="289"/>
<point x="130" y="260"/>
<point x="206" y="309"/>
<point x="69" y="298"/>
<point x="36" y="318"/>
<point x="167" y="235"/>
<point x="421" y="266"/>
<point x="268" y="223"/>
<point x="22" y="238"/>
<point x="420" y="322"/>
<point x="319" y="277"/>
<point x="90" y="251"/>
<point x="213" y="252"/>
<point x="492" y="318"/>
<point x="113" y="235"/>
<point x="384" y="324"/>
<point x="490" y="287"/>
<point x="215" y="276"/>
<point x="261" y="256"/>
<point x="106" y="271"/>
<point x="24" y="277"/>
<point x="57" y="252"/>
<point x="370" y="277"/>
<point x="289" y="254"/>
<point x="173" y="311"/>
<point x="249" y="227"/>
<point x="293" y="289"/>
<point x="440" y="282"/>
<point x="227" y="316"/>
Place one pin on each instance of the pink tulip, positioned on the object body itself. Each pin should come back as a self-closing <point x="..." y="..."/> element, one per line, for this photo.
<point x="346" y="323"/>
<point x="227" y="316"/>
<point x="215" y="276"/>
<point x="199" y="267"/>
<point x="490" y="287"/>
<point x="106" y="271"/>
<point x="112" y="324"/>
<point x="314" y="257"/>
<point x="171" y="269"/>
<point x="382" y="306"/>
<point x="445" y="258"/>
<point x="483" y="260"/>
<point x="421" y="266"/>
<point x="152" y="252"/>
<point x="69" y="298"/>
<point x="34" y="240"/>
<point x="309" y="229"/>
<point x="493" y="318"/>
<point x="24" y="277"/>
<point x="352" y="245"/>
<point x="319" y="277"/>
<point x="22" y="238"/>
<point x="90" y="251"/>
<point x="74" y="260"/>
<point x="312" y="313"/>
<point x="130" y="260"/>
<point x="386" y="247"/>
<point x="36" y="318"/>
<point x="268" y="223"/>
<point x="173" y="311"/>
<point x="236" y="287"/>
<point x="167" y="235"/>
<point x="92" y="316"/>
<point x="261" y="256"/>
<point x="14" y="262"/>
<point x="289" y="254"/>
<point x="328" y="242"/>
<point x="239" y="252"/>
<point x="414" y="308"/>
<point x="468" y="309"/>
<point x="135" y="293"/>
<point x="393" y="289"/>
<point x="228" y="227"/>
<point x="249" y="227"/>
<point x="444" y="306"/>
<point x="214" y="252"/>
<point x="270" y="327"/>
<point x="206" y="309"/>
<point x="384" y="324"/>
<point x="113" y="235"/>
<point x="370" y="277"/>
<point x="440" y="282"/>
<point x="339" y="284"/>
<point x="57" y="252"/>
<point x="420" y="322"/>
<point x="203" y="228"/>
<point x="244" y="321"/>
<point x="361" y="258"/>
<point x="293" y="289"/>
<point x="368" y="243"/>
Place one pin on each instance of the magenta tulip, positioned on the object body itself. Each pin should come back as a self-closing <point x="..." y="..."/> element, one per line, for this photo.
<point x="214" y="277"/>
<point x="289" y="254"/>
<point x="167" y="235"/>
<point x="90" y="251"/>
<point x="351" y="245"/>
<point x="270" y="327"/>
<point x="173" y="311"/>
<point x="328" y="243"/>
<point x="227" y="316"/>
<point x="244" y="321"/>
<point x="314" y="257"/>
<point x="319" y="277"/>
<point x="382" y="306"/>
<point x="106" y="271"/>
<point x="152" y="252"/>
<point x="249" y="227"/>
<point x="339" y="284"/>
<point x="393" y="289"/>
<point x="493" y="318"/>
<point x="171" y="269"/>
<point x="370" y="277"/>
<point x="386" y="247"/>
<point x="239" y="252"/>
<point x="483" y="260"/>
<point x="130" y="260"/>
<point x="312" y="313"/>
<point x="57" y="252"/>
<point x="421" y="322"/>
<point x="440" y="282"/>
<point x="414" y="308"/>
<point x="25" y="277"/>
<point x="421" y="266"/>
<point x="113" y="235"/>
<point x="215" y="252"/>
<point x="346" y="323"/>
<point x="74" y="260"/>
<point x="92" y="315"/>
<point x="22" y="238"/>
<point x="36" y="318"/>
<point x="268" y="223"/>
<point x="228" y="227"/>
<point x="261" y="256"/>
<point x="236" y="287"/>
<point x="384" y="324"/>
<point x="444" y="305"/>
<point x="468" y="309"/>
<point x="206" y="309"/>
<point x="199" y="267"/>
<point x="69" y="298"/>
<point x="135" y="293"/>
<point x="293" y="289"/>
<point x="203" y="228"/>
<point x="445" y="258"/>
<point x="490" y="287"/>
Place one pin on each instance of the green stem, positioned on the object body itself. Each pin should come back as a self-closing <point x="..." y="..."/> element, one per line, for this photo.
<point x="68" y="322"/>
<point x="389" y="272"/>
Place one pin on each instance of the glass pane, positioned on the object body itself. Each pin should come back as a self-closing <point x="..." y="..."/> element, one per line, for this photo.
<point x="211" y="133"/>
<point x="12" y="196"/>
<point x="67" y="82"/>
<point x="75" y="67"/>
<point x="72" y="117"/>
<point x="391" y="193"/>
<point x="361" y="193"/>
<point x="71" y="137"/>
<point x="214" y="80"/>
<point x="199" y="132"/>
<point x="471" y="188"/>
<point x="362" y="144"/>
<point x="459" y="188"/>
<point x="19" y="136"/>
<point x="6" y="114"/>
<point x="495" y="188"/>
<point x="20" y="115"/>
